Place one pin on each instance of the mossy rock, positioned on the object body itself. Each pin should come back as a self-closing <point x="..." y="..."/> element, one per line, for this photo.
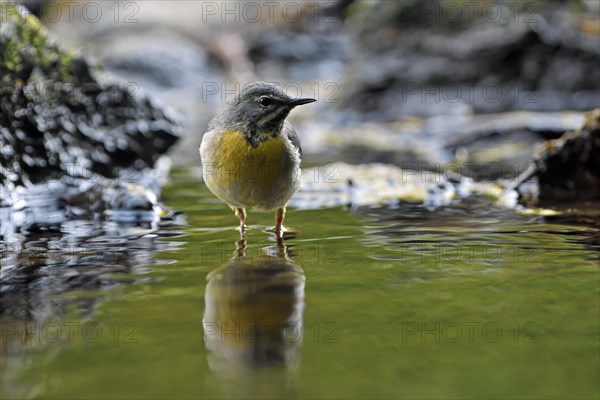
<point x="59" y="117"/>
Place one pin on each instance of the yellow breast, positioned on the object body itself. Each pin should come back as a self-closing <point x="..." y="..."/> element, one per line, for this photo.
<point x="235" y="149"/>
<point x="246" y="176"/>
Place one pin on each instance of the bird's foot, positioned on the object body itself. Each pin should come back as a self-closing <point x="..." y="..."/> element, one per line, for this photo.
<point x="283" y="232"/>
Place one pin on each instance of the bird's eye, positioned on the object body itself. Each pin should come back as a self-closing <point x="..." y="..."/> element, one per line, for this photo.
<point x="265" y="101"/>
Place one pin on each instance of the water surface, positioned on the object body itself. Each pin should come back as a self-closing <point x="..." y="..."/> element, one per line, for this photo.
<point x="469" y="300"/>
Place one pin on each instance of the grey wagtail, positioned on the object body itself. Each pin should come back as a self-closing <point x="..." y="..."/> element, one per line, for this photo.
<point x="251" y="155"/>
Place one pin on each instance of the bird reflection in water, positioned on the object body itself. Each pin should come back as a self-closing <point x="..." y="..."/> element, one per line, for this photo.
<point x="254" y="311"/>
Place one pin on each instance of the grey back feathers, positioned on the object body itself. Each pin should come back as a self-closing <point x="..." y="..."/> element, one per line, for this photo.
<point x="293" y="136"/>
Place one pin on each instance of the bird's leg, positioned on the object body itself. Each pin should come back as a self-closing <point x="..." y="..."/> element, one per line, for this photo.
<point x="279" y="214"/>
<point x="241" y="214"/>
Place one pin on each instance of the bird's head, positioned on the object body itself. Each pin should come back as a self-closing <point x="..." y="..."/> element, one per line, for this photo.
<point x="259" y="111"/>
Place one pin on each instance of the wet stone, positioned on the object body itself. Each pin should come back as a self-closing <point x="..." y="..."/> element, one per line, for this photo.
<point x="567" y="169"/>
<point x="67" y="131"/>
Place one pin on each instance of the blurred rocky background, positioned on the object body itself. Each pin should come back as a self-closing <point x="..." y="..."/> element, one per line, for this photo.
<point x="418" y="84"/>
<point x="462" y="87"/>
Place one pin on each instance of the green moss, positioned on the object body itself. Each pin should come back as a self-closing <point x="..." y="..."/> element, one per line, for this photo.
<point x="64" y="66"/>
<point x="30" y="47"/>
<point x="11" y="59"/>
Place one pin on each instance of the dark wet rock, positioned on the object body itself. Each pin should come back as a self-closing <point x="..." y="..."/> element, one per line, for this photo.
<point x="70" y="140"/>
<point x="425" y="58"/>
<point x="568" y="168"/>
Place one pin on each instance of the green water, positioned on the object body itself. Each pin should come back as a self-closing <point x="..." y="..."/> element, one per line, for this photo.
<point x="468" y="301"/>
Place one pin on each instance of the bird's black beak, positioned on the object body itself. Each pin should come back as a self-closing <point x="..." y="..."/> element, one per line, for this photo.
<point x="299" y="102"/>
